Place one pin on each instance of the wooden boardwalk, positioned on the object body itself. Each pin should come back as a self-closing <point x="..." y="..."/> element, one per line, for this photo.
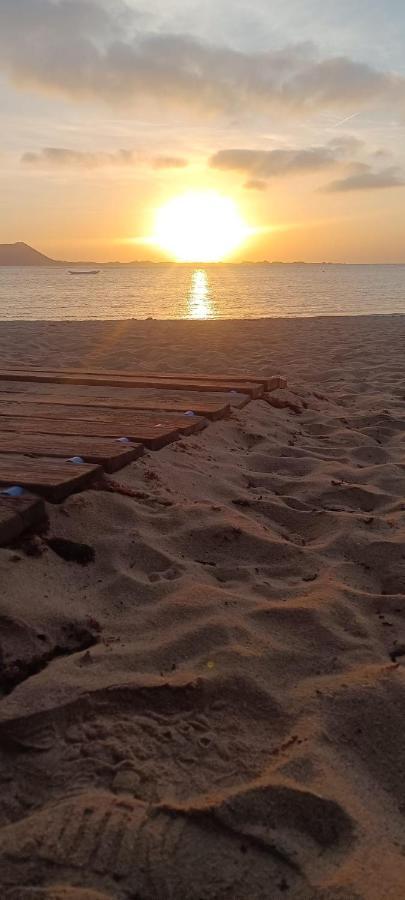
<point x="55" y="443"/>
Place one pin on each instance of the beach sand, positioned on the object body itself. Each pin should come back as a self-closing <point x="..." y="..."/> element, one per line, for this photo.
<point x="213" y="709"/>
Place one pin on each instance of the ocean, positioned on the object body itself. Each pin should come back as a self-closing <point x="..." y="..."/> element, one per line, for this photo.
<point x="176" y="291"/>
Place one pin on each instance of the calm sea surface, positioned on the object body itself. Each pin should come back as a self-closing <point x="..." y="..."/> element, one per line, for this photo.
<point x="201" y="292"/>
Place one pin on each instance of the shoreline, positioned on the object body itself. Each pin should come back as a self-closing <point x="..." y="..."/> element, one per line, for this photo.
<point x="211" y="321"/>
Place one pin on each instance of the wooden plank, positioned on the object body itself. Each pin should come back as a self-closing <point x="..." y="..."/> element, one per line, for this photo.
<point x="268" y="382"/>
<point x="154" y="437"/>
<point x="121" y="420"/>
<point x="206" y="409"/>
<point x="107" y="453"/>
<point x="25" y="390"/>
<point x="58" y="377"/>
<point x="52" y="479"/>
<point x="17" y="514"/>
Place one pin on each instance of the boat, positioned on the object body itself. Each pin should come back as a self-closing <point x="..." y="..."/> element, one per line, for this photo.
<point x="86" y="272"/>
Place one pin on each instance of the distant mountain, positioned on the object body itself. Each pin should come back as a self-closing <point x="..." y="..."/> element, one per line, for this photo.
<point x="21" y="254"/>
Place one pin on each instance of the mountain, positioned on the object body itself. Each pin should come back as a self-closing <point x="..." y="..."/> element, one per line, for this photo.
<point x="21" y="254"/>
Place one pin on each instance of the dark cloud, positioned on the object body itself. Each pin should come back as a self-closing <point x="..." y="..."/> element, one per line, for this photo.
<point x="273" y="163"/>
<point x="255" y="184"/>
<point x="170" y="162"/>
<point x="60" y="157"/>
<point x="336" y="81"/>
<point x="87" y="49"/>
<point x="262" y="165"/>
<point x="364" y="179"/>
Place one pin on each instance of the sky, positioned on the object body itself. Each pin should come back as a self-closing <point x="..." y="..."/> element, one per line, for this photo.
<point x="295" y="111"/>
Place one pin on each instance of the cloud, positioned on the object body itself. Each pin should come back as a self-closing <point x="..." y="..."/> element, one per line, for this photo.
<point x="346" y="145"/>
<point x="364" y="179"/>
<point x="337" y="81"/>
<point x="382" y="154"/>
<point x="255" y="184"/>
<point x="274" y="163"/>
<point x="170" y="162"/>
<point x="262" y="165"/>
<point x="60" y="157"/>
<point x="98" y="50"/>
<point x="64" y="158"/>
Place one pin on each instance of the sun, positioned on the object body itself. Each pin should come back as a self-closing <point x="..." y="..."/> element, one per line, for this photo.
<point x="200" y="226"/>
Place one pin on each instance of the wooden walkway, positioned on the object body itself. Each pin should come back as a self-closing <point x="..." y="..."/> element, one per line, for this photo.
<point x="53" y="444"/>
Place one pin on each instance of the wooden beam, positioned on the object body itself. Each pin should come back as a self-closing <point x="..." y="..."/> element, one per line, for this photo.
<point x="154" y="437"/>
<point x="121" y="420"/>
<point x="268" y="382"/>
<point x="206" y="409"/>
<point x="107" y="453"/>
<point x="185" y="384"/>
<point x="52" y="479"/>
<point x="17" y="514"/>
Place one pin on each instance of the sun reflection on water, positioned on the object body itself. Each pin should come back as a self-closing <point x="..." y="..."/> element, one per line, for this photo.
<point x="199" y="298"/>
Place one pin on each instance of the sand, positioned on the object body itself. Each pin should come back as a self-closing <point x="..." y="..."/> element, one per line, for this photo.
<point x="214" y="707"/>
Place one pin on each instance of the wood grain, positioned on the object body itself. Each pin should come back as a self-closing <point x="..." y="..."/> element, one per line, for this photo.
<point x="48" y="477"/>
<point x="107" y="453"/>
<point x="123" y="420"/>
<point x="207" y="409"/>
<point x="153" y="437"/>
<point x="189" y="384"/>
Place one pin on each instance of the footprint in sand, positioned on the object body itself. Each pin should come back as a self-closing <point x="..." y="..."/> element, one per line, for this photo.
<point x="168" y="575"/>
<point x="224" y="847"/>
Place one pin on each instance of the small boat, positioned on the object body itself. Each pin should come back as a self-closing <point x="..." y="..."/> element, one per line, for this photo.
<point x="87" y="272"/>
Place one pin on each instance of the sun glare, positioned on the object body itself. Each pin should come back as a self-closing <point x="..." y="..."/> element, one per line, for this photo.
<point x="201" y="226"/>
<point x="200" y="305"/>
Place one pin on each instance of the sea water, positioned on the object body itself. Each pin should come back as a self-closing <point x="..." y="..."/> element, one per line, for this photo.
<point x="175" y="291"/>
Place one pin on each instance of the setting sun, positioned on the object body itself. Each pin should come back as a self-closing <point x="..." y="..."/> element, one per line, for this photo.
<point x="200" y="226"/>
